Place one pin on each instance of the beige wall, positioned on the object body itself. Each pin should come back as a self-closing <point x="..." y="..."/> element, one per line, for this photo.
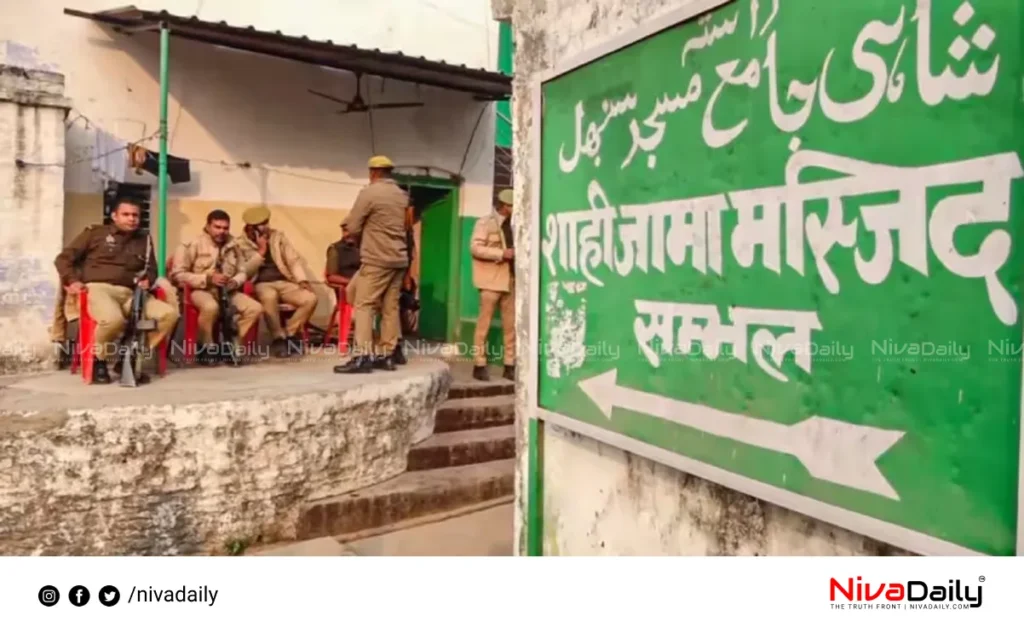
<point x="247" y="122"/>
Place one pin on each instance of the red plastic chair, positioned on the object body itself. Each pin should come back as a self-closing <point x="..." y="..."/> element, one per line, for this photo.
<point x="342" y="318"/>
<point x="83" y="356"/>
<point x="190" y="338"/>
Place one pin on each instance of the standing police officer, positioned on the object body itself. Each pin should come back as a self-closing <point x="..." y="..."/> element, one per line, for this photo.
<point x="378" y="222"/>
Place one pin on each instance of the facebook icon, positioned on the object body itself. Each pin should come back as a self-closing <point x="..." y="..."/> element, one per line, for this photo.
<point x="79" y="596"/>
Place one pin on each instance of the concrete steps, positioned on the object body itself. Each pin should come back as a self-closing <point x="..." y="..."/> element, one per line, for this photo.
<point x="462" y="448"/>
<point x="408" y="496"/>
<point x="467" y="465"/>
<point x="475" y="389"/>
<point x="464" y="414"/>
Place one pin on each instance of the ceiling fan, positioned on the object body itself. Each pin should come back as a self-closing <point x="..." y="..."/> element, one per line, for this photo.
<point x="358" y="105"/>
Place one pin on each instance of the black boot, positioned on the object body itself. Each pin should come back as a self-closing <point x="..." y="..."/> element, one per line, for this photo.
<point x="387" y="363"/>
<point x="398" y="356"/>
<point x="358" y="365"/>
<point x="295" y="347"/>
<point x="63" y="356"/>
<point x="100" y="374"/>
<point x="208" y="356"/>
<point x="279" y="348"/>
<point x="509" y="373"/>
<point x="230" y="354"/>
<point x="481" y="374"/>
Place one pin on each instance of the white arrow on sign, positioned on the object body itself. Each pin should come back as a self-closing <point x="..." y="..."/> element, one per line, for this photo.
<point x="831" y="450"/>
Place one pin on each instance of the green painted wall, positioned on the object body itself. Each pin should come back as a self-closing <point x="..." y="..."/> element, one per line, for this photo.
<point x="788" y="246"/>
<point x="506" y="53"/>
<point x="435" y="266"/>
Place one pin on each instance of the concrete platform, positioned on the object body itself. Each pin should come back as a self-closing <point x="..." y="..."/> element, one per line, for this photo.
<point x="201" y="457"/>
<point x="484" y="533"/>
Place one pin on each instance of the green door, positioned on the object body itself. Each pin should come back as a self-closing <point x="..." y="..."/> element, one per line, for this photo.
<point x="435" y="264"/>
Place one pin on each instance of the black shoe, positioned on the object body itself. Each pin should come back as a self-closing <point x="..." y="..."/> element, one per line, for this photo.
<point x="358" y="365"/>
<point x="279" y="348"/>
<point x="64" y="357"/>
<point x="481" y="374"/>
<point x="509" y="373"/>
<point x="230" y="355"/>
<point x="295" y="346"/>
<point x="398" y="356"/>
<point x="387" y="363"/>
<point x="208" y="357"/>
<point x="100" y="374"/>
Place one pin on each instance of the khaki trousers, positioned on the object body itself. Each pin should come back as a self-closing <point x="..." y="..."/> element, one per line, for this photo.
<point x="489" y="300"/>
<point x="110" y="306"/>
<point x="248" y="312"/>
<point x="377" y="287"/>
<point x="271" y="294"/>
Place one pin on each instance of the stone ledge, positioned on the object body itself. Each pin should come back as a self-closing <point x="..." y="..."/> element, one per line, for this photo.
<point x="32" y="87"/>
<point x="169" y="469"/>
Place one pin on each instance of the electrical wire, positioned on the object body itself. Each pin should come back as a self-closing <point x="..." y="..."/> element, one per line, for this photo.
<point x="22" y="163"/>
<point x="274" y="170"/>
<point x="472" y="136"/>
<point x="369" y="111"/>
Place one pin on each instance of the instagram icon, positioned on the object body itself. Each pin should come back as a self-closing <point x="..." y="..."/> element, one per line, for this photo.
<point x="49" y="596"/>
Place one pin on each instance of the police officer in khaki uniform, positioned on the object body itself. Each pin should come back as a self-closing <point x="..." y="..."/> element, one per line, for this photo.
<point x="378" y="222"/>
<point x="211" y="264"/>
<point x="279" y="273"/>
<point x="494" y="276"/>
<point x="108" y="261"/>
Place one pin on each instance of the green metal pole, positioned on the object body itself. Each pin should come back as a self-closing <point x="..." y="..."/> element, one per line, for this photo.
<point x="161" y="222"/>
<point x="535" y="490"/>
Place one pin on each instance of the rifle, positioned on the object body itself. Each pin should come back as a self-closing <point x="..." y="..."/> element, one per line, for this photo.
<point x="228" y="328"/>
<point x="138" y="327"/>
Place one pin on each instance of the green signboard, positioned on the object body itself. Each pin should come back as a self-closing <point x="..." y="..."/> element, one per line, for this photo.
<point x="777" y="245"/>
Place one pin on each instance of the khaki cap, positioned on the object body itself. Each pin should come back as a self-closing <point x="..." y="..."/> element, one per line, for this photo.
<point x="505" y="197"/>
<point x="380" y="162"/>
<point x="256" y="215"/>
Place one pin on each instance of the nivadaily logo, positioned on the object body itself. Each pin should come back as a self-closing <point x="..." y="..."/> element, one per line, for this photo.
<point x="913" y="594"/>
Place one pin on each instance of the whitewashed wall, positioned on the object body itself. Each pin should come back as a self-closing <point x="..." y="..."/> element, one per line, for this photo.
<point x="32" y="111"/>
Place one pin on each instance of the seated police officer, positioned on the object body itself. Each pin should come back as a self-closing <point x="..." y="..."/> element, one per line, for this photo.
<point x="212" y="264"/>
<point x="280" y="277"/>
<point x="110" y="261"/>
<point x="342" y="261"/>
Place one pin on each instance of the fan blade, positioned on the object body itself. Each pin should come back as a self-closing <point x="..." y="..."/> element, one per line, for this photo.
<point x="383" y="106"/>
<point x="327" y="96"/>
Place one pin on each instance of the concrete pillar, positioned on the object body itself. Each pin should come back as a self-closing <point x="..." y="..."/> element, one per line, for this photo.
<point x="32" y="113"/>
<point x="501" y="10"/>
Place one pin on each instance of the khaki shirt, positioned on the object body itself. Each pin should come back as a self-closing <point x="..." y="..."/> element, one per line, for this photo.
<point x="377" y="220"/>
<point x="288" y="260"/>
<point x="487" y="246"/>
<point x="196" y="261"/>
<point x="103" y="254"/>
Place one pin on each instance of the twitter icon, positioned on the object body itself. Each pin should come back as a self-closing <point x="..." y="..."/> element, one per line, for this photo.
<point x="109" y="596"/>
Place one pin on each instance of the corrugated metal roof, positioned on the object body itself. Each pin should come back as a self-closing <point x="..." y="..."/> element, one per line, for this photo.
<point x="480" y="82"/>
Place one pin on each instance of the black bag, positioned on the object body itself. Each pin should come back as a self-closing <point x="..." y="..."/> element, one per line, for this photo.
<point x="407" y="301"/>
